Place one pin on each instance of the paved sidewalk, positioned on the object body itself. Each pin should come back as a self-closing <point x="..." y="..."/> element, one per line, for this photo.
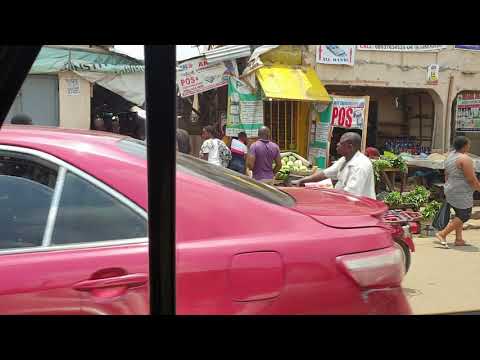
<point x="444" y="280"/>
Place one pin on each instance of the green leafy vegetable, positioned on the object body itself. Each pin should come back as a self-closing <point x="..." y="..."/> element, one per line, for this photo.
<point x="393" y="199"/>
<point x="416" y="198"/>
<point x="388" y="161"/>
<point x="430" y="210"/>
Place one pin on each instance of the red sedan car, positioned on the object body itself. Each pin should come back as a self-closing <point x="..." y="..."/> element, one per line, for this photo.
<point x="74" y="236"/>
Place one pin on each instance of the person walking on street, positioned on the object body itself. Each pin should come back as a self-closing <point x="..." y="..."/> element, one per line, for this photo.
<point x="263" y="153"/>
<point x="214" y="150"/>
<point x="354" y="171"/>
<point x="239" y="150"/>
<point x="460" y="184"/>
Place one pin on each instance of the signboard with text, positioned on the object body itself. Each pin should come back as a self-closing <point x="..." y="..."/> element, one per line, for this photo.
<point x="244" y="109"/>
<point x="467" y="114"/>
<point x="336" y="54"/>
<point x="348" y="112"/>
<point x="402" y="48"/>
<point x="197" y="75"/>
<point x="319" y="136"/>
<point x="468" y="47"/>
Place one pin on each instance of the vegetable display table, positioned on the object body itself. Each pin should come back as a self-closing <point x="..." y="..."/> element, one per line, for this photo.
<point x="388" y="177"/>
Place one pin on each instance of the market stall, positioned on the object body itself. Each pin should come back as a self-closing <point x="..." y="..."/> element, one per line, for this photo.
<point x="276" y="90"/>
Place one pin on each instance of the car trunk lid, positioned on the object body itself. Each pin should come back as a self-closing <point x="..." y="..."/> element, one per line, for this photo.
<point x="336" y="208"/>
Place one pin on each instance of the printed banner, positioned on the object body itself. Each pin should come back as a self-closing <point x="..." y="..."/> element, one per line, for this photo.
<point x="348" y="112"/>
<point x="401" y="48"/>
<point x="197" y="75"/>
<point x="468" y="47"/>
<point x="319" y="133"/>
<point x="467" y="116"/>
<point x="245" y="109"/>
<point x="336" y="54"/>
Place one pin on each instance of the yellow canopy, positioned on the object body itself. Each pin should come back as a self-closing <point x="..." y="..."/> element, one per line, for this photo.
<point x="292" y="83"/>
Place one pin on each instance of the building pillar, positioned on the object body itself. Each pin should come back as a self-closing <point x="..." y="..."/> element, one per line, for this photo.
<point x="74" y="109"/>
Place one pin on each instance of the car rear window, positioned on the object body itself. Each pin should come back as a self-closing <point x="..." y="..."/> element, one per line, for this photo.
<point x="214" y="173"/>
<point x="133" y="147"/>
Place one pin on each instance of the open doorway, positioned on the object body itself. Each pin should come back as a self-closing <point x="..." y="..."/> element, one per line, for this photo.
<point x="111" y="112"/>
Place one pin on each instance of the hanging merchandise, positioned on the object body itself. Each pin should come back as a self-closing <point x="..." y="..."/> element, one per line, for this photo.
<point x="467" y="115"/>
<point x="245" y="109"/>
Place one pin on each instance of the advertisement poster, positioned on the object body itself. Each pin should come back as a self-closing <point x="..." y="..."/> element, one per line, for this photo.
<point x="197" y="75"/>
<point x="336" y="54"/>
<point x="468" y="47"/>
<point x="348" y="112"/>
<point x="73" y="87"/>
<point x="319" y="137"/>
<point x="245" y="109"/>
<point x="402" y="48"/>
<point x="468" y="112"/>
<point x="433" y="74"/>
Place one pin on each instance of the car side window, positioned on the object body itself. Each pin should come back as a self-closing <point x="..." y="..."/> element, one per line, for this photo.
<point x="27" y="186"/>
<point x="88" y="214"/>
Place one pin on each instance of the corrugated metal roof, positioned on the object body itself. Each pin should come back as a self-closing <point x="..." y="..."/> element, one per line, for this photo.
<point x="227" y="52"/>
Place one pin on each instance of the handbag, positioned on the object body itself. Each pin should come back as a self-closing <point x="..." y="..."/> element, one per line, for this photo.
<point x="442" y="218"/>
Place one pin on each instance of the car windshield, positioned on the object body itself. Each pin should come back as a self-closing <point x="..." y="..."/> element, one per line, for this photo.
<point x="217" y="174"/>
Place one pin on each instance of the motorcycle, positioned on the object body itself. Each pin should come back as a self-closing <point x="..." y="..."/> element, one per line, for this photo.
<point x="403" y="224"/>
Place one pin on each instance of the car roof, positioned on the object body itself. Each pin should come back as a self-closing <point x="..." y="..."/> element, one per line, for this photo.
<point x="94" y="152"/>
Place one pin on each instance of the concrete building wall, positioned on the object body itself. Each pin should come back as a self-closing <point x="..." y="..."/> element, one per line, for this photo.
<point x="74" y="110"/>
<point x="459" y="70"/>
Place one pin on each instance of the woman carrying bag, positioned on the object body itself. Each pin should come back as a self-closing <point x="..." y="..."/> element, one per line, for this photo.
<point x="460" y="184"/>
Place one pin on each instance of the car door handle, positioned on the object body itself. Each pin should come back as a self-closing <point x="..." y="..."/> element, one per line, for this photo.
<point x="129" y="280"/>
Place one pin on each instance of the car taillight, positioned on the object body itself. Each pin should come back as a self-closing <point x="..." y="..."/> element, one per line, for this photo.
<point x="372" y="269"/>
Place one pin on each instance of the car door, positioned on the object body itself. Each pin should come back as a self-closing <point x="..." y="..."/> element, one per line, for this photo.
<point x="34" y="281"/>
<point x="69" y="244"/>
<point x="110" y="235"/>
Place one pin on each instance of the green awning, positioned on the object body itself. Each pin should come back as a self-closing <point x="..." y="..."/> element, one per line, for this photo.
<point x="53" y="60"/>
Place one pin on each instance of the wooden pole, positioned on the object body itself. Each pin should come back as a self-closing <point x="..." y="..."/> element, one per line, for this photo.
<point x="448" y="115"/>
<point x="420" y="118"/>
<point x="278" y="124"/>
<point x="286" y="127"/>
<point x="365" y="124"/>
<point x="292" y="123"/>
<point x="271" y="116"/>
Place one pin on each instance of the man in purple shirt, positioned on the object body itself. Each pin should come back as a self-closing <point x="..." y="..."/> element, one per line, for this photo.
<point x="261" y="156"/>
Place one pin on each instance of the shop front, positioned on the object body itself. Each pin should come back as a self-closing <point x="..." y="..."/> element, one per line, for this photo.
<point x="399" y="119"/>
<point x="285" y="92"/>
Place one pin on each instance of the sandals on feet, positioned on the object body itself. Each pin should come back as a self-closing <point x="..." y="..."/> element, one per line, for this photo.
<point x="442" y="241"/>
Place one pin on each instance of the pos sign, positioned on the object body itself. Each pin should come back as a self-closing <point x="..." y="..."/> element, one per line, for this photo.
<point x="349" y="112"/>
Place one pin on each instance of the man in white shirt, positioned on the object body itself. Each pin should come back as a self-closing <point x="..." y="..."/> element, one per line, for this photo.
<point x="354" y="171"/>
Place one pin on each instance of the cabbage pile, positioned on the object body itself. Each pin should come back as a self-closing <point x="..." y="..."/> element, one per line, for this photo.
<point x="290" y="163"/>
